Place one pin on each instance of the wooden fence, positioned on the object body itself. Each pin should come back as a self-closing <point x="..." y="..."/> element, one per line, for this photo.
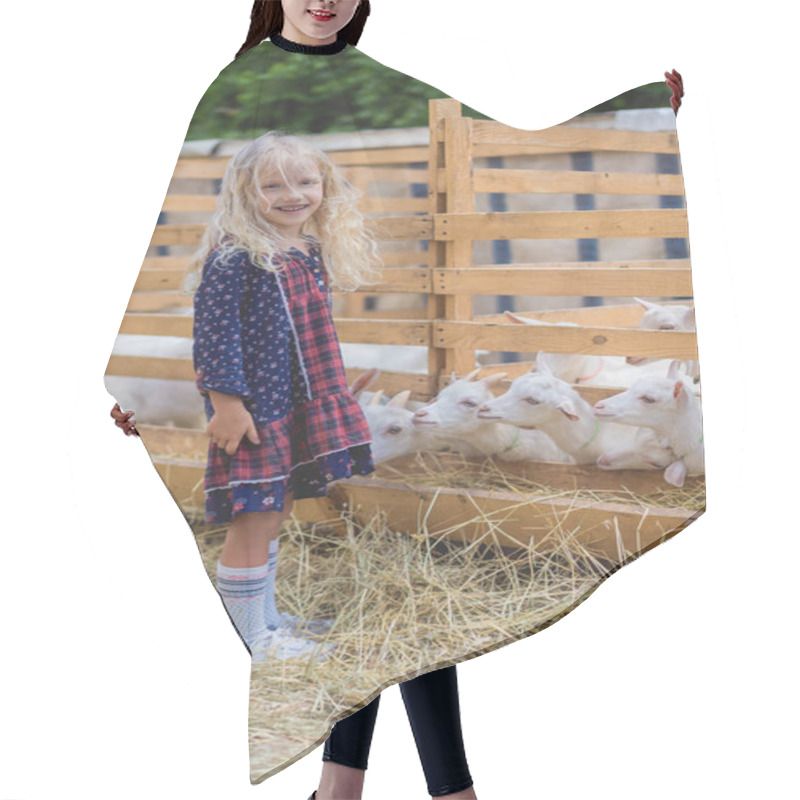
<point x="428" y="246"/>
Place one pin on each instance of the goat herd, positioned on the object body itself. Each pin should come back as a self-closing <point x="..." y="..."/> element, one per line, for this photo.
<point x="654" y="423"/>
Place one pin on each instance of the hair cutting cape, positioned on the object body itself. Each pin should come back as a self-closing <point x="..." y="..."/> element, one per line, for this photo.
<point x="534" y="418"/>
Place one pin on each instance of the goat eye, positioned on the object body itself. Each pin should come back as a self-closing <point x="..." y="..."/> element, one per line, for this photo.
<point x="394" y="430"/>
<point x="647" y="399"/>
<point x="532" y="400"/>
<point x="470" y="403"/>
<point x="667" y="328"/>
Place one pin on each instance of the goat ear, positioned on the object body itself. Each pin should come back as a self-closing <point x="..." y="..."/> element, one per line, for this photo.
<point x="646" y="303"/>
<point x="568" y="410"/>
<point x="400" y="398"/>
<point x="453" y="378"/>
<point x="490" y="380"/>
<point x="375" y="400"/>
<point x="681" y="394"/>
<point x="674" y="371"/>
<point x="514" y="318"/>
<point x="363" y="380"/>
<point x="541" y="364"/>
<point x="689" y="319"/>
<point x="675" y="473"/>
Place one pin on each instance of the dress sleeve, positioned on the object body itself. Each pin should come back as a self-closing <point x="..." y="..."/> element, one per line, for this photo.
<point x="217" y="351"/>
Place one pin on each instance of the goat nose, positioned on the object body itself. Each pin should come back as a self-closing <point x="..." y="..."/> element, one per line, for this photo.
<point x="420" y="413"/>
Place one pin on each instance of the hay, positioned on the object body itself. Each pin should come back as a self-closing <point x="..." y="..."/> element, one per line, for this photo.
<point x="402" y="605"/>
<point x="455" y="471"/>
<point x="406" y="604"/>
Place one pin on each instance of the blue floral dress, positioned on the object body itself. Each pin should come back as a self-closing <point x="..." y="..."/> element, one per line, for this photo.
<point x="268" y="337"/>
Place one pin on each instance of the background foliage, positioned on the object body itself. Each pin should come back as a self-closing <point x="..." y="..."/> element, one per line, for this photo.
<point x="264" y="91"/>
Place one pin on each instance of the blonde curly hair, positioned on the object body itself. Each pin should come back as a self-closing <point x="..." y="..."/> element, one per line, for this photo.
<point x="349" y="251"/>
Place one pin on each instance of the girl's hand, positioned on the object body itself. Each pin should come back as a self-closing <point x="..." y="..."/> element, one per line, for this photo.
<point x="123" y="419"/>
<point x="230" y="423"/>
<point x="675" y="82"/>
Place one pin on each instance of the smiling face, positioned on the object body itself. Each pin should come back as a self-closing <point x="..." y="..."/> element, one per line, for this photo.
<point x="288" y="200"/>
<point x="315" y="22"/>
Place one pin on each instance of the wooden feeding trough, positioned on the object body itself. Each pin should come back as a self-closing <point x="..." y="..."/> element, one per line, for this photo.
<point x="431" y="239"/>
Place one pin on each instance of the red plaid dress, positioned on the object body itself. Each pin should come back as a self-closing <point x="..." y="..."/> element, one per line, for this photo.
<point x="269" y="338"/>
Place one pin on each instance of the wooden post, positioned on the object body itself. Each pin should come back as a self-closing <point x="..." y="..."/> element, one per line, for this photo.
<point x="450" y="152"/>
<point x="355" y="302"/>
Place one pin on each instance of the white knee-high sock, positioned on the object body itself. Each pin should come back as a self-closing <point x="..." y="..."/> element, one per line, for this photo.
<point x="271" y="614"/>
<point x="243" y="590"/>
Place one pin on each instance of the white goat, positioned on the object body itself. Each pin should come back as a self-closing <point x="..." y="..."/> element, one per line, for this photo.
<point x="157" y="401"/>
<point x="392" y="428"/>
<point x="591" y="370"/>
<point x="659" y="317"/>
<point x="671" y="410"/>
<point x="452" y="419"/>
<point x="541" y="400"/>
<point x="393" y="433"/>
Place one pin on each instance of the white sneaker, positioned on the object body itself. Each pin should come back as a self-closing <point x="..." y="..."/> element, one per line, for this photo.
<point x="308" y="627"/>
<point x="279" y="643"/>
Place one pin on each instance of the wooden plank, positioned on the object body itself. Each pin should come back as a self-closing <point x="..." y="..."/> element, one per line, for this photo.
<point x="182" y="444"/>
<point x="394" y="228"/>
<point x="439" y="110"/>
<point x="203" y="167"/>
<point x="559" y="339"/>
<point x="184" y="481"/>
<point x="546" y="281"/>
<point x="569" y="139"/>
<point x="390" y="228"/>
<point x="460" y="199"/>
<point x="404" y="258"/>
<point x="371" y="175"/>
<point x="368" y="331"/>
<point x="320" y="511"/>
<point x="190" y="202"/>
<point x="416" y="469"/>
<point x="159" y="280"/>
<point x="166" y="263"/>
<point x="399" y="258"/>
<point x="451" y="513"/>
<point x="565" y="182"/>
<point x="394" y="205"/>
<point x="157" y="301"/>
<point x="355" y="302"/>
<point x="421" y="386"/>
<point x="506" y="519"/>
<point x="185" y="234"/>
<point x="384" y="331"/>
<point x="383" y="155"/>
<point x="617" y="224"/>
<point x="174" y="369"/>
<point x="655" y="263"/>
<point x="388" y="313"/>
<point x="415" y="280"/>
<point x="609" y="316"/>
<point x="158" y="324"/>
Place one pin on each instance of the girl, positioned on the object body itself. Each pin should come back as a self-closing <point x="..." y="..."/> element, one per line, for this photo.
<point x="431" y="699"/>
<point x="282" y="422"/>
